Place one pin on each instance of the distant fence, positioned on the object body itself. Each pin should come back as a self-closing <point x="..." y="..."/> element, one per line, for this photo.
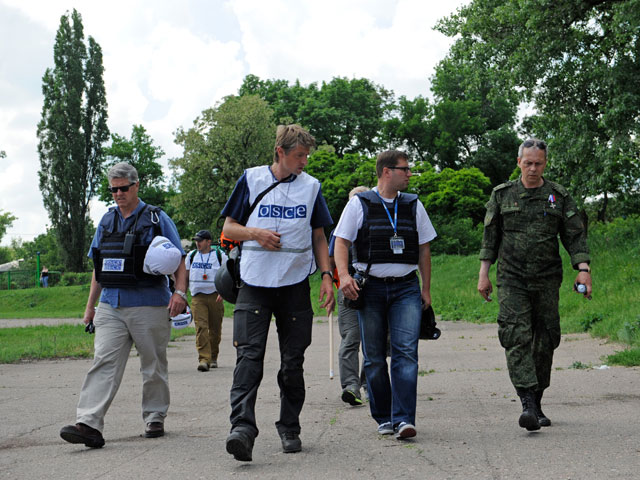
<point x="18" y="279"/>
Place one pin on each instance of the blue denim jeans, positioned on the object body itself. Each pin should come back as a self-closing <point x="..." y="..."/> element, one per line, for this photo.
<point x="394" y="309"/>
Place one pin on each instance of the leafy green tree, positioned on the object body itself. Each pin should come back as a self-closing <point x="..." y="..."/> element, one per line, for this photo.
<point x="6" y="221"/>
<point x="224" y="141"/>
<point x="412" y="128"/>
<point x="347" y="114"/>
<point x="475" y="114"/>
<point x="339" y="175"/>
<point x="141" y="153"/>
<point x="71" y="134"/>
<point x="577" y="62"/>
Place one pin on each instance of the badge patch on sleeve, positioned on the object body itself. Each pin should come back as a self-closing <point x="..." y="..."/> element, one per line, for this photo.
<point x="113" y="264"/>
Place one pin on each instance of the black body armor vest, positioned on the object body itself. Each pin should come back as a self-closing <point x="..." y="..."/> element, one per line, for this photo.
<point x="119" y="259"/>
<point x="372" y="242"/>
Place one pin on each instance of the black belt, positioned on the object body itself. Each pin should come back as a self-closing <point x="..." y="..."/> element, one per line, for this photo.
<point x="408" y="276"/>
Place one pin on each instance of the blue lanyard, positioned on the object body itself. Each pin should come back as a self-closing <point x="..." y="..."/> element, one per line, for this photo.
<point x="394" y="221"/>
<point x="204" y="264"/>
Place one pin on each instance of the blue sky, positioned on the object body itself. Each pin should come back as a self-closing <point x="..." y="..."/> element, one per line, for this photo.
<point x="166" y="61"/>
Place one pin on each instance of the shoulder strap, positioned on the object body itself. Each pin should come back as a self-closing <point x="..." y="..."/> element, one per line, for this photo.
<point x="217" y="249"/>
<point x="193" y="254"/>
<point x="261" y="196"/>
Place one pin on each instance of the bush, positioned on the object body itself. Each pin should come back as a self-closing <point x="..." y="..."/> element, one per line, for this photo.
<point x="456" y="237"/>
<point x="70" y="278"/>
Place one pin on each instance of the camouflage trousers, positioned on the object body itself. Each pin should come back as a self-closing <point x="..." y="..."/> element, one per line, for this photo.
<point x="529" y="331"/>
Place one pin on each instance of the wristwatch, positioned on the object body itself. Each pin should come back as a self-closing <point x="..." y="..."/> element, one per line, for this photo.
<point x="586" y="270"/>
<point x="326" y="272"/>
<point x="181" y="293"/>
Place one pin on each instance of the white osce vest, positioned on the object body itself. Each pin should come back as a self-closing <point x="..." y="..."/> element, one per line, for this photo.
<point x="287" y="210"/>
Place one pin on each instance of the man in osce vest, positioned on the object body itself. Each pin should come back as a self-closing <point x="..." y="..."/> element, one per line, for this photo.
<point x="206" y="304"/>
<point x="391" y="232"/>
<point x="135" y="307"/>
<point x="282" y="240"/>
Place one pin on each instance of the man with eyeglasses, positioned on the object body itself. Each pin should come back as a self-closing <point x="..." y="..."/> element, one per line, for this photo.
<point x="521" y="227"/>
<point x="135" y="307"/>
<point x="391" y="232"/>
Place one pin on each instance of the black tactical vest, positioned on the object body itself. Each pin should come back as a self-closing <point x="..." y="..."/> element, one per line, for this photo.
<point x="372" y="242"/>
<point x="119" y="258"/>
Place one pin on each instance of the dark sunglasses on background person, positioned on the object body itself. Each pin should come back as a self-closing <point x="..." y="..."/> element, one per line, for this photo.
<point x="124" y="188"/>
<point x="535" y="143"/>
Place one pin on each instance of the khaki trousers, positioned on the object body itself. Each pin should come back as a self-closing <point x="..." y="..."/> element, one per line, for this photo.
<point x="207" y="315"/>
<point x="117" y="329"/>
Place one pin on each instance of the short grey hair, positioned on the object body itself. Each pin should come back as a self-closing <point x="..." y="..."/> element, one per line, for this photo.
<point x="533" y="143"/>
<point x="123" y="170"/>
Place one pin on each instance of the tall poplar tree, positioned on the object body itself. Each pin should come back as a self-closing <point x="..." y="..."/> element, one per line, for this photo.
<point x="71" y="134"/>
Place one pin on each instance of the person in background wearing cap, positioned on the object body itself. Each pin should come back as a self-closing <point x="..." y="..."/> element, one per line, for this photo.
<point x="134" y="307"/>
<point x="206" y="304"/>
<point x="282" y="241"/>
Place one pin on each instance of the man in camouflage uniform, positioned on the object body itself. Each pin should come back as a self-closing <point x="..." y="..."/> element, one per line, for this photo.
<point x="521" y="227"/>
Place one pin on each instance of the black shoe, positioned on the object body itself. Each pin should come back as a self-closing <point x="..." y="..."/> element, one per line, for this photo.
<point x="528" y="418"/>
<point x="81" y="433"/>
<point x="240" y="445"/>
<point x="351" y="398"/>
<point x="291" y="442"/>
<point x="154" y="430"/>
<point x="542" y="418"/>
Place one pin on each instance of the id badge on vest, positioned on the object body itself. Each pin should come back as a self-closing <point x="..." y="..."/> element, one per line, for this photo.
<point x="397" y="244"/>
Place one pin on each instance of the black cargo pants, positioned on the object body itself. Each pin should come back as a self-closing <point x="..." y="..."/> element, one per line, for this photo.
<point x="291" y="306"/>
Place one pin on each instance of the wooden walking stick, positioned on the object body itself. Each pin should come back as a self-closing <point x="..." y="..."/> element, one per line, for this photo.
<point x="331" y="345"/>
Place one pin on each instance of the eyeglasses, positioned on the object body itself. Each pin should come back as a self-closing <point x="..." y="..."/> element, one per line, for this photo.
<point x="124" y="188"/>
<point x="404" y="169"/>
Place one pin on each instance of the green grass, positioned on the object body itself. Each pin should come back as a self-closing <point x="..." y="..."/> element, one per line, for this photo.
<point x="53" y="302"/>
<point x="47" y="342"/>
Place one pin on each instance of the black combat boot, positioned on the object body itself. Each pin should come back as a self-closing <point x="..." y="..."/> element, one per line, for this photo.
<point x="542" y="418"/>
<point x="528" y="418"/>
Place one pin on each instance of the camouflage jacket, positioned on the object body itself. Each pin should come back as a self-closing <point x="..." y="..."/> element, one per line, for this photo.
<point x="521" y="229"/>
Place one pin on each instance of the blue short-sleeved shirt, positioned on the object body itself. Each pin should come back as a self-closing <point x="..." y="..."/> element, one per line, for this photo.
<point x="144" y="296"/>
<point x="237" y="206"/>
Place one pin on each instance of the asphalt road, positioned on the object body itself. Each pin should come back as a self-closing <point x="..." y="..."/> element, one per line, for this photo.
<point x="466" y="420"/>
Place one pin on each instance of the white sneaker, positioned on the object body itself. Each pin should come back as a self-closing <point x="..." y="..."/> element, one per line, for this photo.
<point x="385" y="428"/>
<point x="405" y="430"/>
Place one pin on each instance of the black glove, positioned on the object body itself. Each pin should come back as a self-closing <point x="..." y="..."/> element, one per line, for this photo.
<point x="90" y="328"/>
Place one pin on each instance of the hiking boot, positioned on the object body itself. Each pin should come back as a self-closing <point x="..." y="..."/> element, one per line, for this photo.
<point x="81" y="433"/>
<point x="203" y="366"/>
<point x="154" y="430"/>
<point x="351" y="397"/>
<point x="528" y="418"/>
<point x="405" y="430"/>
<point x="291" y="442"/>
<point x="214" y="364"/>
<point x="385" y="428"/>
<point x="240" y="445"/>
<point x="542" y="418"/>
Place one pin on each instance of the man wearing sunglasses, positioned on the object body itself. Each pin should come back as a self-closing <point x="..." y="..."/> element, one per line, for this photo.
<point x="521" y="227"/>
<point x="391" y="232"/>
<point x="134" y="307"/>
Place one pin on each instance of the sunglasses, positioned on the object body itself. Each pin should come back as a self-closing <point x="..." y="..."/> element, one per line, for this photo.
<point x="535" y="143"/>
<point x="404" y="169"/>
<point x="124" y="188"/>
